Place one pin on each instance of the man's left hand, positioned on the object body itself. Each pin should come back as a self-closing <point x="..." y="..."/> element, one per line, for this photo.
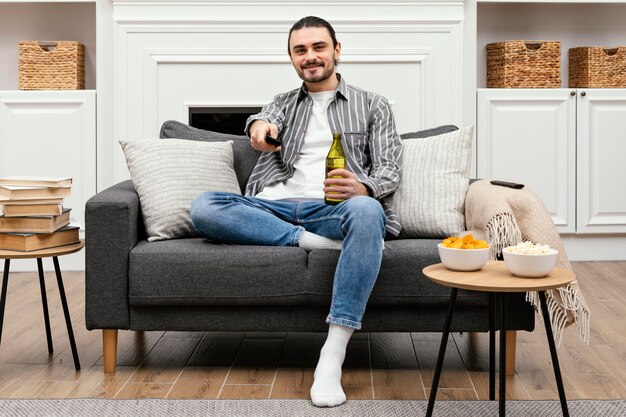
<point x="345" y="187"/>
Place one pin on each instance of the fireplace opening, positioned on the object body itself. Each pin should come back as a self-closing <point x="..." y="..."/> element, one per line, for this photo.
<point x="230" y="120"/>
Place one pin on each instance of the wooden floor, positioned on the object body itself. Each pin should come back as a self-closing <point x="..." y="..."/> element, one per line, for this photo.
<point x="280" y="365"/>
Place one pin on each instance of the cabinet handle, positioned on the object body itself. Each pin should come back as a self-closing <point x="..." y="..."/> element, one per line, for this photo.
<point x="583" y="94"/>
<point x="572" y="93"/>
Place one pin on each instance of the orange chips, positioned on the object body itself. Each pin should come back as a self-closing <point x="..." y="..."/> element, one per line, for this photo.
<point x="465" y="242"/>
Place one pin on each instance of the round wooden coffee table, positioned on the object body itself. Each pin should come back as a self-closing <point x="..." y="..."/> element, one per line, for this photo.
<point x="496" y="280"/>
<point x="7" y="255"/>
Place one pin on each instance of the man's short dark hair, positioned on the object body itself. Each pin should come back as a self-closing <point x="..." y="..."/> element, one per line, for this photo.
<point x="312" y="22"/>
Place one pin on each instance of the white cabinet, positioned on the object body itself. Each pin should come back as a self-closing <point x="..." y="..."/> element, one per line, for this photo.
<point x="51" y="133"/>
<point x="565" y="144"/>
<point x="529" y="136"/>
<point x="601" y="149"/>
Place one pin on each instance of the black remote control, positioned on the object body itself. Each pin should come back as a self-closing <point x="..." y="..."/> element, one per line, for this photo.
<point x="273" y="141"/>
<point x="507" y="184"/>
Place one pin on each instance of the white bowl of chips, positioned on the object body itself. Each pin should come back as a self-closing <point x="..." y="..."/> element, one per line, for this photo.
<point x="529" y="260"/>
<point x="467" y="254"/>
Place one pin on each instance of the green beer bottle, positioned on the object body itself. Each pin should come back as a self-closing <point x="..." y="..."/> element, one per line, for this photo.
<point x="334" y="160"/>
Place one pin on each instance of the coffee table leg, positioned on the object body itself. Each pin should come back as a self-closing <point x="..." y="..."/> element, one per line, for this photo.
<point x="66" y="312"/>
<point x="492" y="346"/>
<point x="555" y="358"/>
<point x="3" y="297"/>
<point x="502" y="376"/>
<point x="442" y="353"/>
<point x="44" y="303"/>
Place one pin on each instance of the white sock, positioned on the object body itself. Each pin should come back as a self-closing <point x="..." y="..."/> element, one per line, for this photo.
<point x="311" y="241"/>
<point x="326" y="390"/>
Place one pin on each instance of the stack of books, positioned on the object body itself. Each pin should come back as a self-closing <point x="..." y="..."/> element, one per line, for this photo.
<point x="32" y="213"/>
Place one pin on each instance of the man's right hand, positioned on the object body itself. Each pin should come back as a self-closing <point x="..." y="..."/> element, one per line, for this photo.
<point x="258" y="130"/>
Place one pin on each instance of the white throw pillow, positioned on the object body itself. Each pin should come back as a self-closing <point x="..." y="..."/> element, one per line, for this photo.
<point x="169" y="174"/>
<point x="434" y="180"/>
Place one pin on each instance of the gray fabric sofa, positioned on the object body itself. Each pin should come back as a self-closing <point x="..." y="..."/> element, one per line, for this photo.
<point x="193" y="284"/>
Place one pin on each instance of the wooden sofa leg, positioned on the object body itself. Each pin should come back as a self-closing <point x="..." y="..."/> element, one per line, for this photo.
<point x="511" y="342"/>
<point x="109" y="348"/>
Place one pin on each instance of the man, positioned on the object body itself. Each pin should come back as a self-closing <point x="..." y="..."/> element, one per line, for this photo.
<point x="284" y="203"/>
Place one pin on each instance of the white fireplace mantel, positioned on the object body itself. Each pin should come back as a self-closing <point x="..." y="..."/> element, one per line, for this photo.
<point x="158" y="58"/>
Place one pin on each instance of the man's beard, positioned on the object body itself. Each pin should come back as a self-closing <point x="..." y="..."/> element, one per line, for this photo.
<point x="324" y="75"/>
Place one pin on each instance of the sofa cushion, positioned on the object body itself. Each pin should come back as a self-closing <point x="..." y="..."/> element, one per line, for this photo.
<point x="196" y="272"/>
<point x="434" y="180"/>
<point x="169" y="175"/>
<point x="245" y="155"/>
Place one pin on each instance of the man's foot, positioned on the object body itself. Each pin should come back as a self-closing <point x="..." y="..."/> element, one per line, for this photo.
<point x="326" y="390"/>
<point x="310" y="241"/>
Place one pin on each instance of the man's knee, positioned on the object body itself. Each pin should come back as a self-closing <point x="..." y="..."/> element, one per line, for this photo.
<point x="366" y="206"/>
<point x="366" y="210"/>
<point x="199" y="204"/>
<point x="204" y="205"/>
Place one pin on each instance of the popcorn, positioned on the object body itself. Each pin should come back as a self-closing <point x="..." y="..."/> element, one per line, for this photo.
<point x="529" y="248"/>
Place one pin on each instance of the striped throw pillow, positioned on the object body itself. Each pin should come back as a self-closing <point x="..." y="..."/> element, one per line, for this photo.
<point x="169" y="174"/>
<point x="429" y="201"/>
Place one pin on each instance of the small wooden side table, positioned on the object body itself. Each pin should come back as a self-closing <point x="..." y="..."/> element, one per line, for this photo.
<point x="55" y="252"/>
<point x="495" y="279"/>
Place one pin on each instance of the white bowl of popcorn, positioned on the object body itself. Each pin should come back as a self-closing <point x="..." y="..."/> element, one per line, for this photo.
<point x="529" y="260"/>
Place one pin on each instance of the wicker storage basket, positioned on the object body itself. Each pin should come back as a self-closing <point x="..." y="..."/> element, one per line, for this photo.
<point x="597" y="67"/>
<point x="62" y="68"/>
<point x="524" y="64"/>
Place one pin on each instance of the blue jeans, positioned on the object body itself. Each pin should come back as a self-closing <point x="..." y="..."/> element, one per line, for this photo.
<point x="358" y="221"/>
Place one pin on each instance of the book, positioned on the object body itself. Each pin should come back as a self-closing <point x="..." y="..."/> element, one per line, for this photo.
<point x="26" y="242"/>
<point x="19" y="210"/>
<point x="37" y="181"/>
<point x="29" y="201"/>
<point x="19" y="192"/>
<point x="34" y="224"/>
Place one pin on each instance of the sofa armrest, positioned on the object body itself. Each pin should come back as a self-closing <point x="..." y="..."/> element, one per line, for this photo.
<point x="113" y="226"/>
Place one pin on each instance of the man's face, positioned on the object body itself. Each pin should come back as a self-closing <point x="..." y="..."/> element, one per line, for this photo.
<point x="312" y="54"/>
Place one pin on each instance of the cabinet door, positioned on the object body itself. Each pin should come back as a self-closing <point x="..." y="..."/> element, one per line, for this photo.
<point x="601" y="154"/>
<point x="528" y="136"/>
<point x="51" y="133"/>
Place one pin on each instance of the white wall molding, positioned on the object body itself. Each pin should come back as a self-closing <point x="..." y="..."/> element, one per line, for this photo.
<point x="158" y="25"/>
<point x="153" y="58"/>
<point x="598" y="247"/>
<point x="167" y="54"/>
<point x="274" y="55"/>
<point x="283" y="3"/>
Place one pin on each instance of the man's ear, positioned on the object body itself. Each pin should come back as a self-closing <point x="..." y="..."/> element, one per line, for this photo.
<point x="337" y="51"/>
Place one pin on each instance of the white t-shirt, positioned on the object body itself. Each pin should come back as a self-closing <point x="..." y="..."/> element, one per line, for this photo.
<point x="310" y="166"/>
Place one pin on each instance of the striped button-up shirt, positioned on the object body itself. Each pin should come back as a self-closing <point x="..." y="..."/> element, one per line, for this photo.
<point x="372" y="146"/>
